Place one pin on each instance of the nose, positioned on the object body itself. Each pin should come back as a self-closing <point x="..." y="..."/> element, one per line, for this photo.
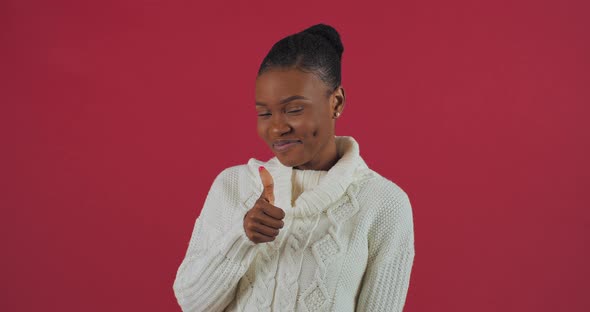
<point x="279" y="125"/>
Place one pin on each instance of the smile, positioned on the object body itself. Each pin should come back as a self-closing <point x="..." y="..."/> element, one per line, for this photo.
<point x="285" y="145"/>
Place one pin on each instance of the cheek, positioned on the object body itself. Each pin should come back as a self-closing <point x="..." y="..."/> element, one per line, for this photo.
<point x="308" y="126"/>
<point x="260" y="128"/>
<point x="320" y="128"/>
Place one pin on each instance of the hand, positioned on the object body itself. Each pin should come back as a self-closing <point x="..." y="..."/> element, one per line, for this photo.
<point x="263" y="221"/>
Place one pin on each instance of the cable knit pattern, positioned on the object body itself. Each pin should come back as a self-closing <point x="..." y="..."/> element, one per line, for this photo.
<point x="264" y="282"/>
<point x="347" y="243"/>
<point x="219" y="252"/>
<point x="298" y="240"/>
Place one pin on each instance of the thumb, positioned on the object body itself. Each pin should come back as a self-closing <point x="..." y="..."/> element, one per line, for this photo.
<point x="268" y="185"/>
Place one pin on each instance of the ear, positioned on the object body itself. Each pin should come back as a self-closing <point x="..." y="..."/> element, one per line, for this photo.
<point x="338" y="100"/>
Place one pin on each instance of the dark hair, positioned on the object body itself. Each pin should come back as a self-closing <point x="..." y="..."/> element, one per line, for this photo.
<point x="317" y="49"/>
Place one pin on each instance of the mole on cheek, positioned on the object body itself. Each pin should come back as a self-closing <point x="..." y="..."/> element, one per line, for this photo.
<point x="315" y="133"/>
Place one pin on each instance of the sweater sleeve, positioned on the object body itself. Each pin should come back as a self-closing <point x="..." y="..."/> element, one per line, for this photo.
<point x="219" y="252"/>
<point x="391" y="255"/>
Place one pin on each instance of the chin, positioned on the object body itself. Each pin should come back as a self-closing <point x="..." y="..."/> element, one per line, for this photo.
<point x="291" y="158"/>
<point x="289" y="161"/>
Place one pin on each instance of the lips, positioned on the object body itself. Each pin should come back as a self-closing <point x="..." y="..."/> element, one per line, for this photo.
<point x="283" y="145"/>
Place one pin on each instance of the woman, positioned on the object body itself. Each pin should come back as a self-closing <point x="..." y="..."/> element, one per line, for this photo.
<point x="313" y="228"/>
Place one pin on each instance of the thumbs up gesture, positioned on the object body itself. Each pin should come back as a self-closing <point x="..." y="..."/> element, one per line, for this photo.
<point x="263" y="221"/>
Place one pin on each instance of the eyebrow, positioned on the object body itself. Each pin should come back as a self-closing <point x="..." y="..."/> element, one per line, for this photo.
<point x="287" y="100"/>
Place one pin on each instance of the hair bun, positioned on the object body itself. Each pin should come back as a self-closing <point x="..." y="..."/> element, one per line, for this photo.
<point x="329" y="33"/>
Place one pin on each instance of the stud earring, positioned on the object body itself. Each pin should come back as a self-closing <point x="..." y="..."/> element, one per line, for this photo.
<point x="337" y="114"/>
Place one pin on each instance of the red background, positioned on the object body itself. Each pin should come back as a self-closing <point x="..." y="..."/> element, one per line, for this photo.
<point x="117" y="115"/>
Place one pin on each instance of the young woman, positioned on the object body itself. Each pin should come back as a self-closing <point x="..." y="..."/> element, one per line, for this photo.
<point x="313" y="228"/>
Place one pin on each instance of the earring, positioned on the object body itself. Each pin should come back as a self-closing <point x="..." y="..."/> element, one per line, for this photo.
<point x="337" y="114"/>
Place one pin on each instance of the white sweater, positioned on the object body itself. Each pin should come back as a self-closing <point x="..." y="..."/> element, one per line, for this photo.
<point x="303" y="180"/>
<point x="347" y="243"/>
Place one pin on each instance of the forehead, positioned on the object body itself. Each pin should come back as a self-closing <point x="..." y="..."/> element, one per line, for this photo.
<point x="277" y="84"/>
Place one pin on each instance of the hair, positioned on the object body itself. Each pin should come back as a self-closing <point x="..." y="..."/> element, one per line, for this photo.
<point x="317" y="49"/>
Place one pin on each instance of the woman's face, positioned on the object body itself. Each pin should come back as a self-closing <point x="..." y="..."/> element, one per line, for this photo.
<point x="295" y="117"/>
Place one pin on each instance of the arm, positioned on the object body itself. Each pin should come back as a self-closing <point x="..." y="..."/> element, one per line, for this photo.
<point x="219" y="252"/>
<point x="391" y="255"/>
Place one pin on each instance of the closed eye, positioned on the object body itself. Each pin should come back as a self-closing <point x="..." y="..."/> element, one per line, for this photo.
<point x="295" y="110"/>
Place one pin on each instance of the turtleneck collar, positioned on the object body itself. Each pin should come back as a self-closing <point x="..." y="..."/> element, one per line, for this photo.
<point x="331" y="187"/>
<point x="305" y="180"/>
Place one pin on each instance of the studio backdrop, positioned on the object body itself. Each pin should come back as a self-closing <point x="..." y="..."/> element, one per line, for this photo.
<point x="116" y="116"/>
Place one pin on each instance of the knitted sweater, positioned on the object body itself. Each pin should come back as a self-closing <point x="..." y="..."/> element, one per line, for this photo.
<point x="347" y="243"/>
<point x="305" y="180"/>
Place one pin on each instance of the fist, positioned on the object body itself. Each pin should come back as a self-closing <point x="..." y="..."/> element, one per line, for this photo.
<point x="263" y="221"/>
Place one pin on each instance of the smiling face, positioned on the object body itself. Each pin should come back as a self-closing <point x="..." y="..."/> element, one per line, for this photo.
<point x="296" y="117"/>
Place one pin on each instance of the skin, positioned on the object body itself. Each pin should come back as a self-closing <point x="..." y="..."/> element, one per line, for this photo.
<point x="310" y="120"/>
<point x="292" y="104"/>
<point x="263" y="221"/>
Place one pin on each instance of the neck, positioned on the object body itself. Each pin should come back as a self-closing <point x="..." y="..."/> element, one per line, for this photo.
<point x="326" y="158"/>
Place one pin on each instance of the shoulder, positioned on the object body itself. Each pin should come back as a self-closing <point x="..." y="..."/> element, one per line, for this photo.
<point x="232" y="179"/>
<point x="226" y="196"/>
<point x="379" y="187"/>
<point x="238" y="181"/>
<point x="230" y="174"/>
<point x="381" y="197"/>
<point x="246" y="172"/>
<point x="387" y="215"/>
